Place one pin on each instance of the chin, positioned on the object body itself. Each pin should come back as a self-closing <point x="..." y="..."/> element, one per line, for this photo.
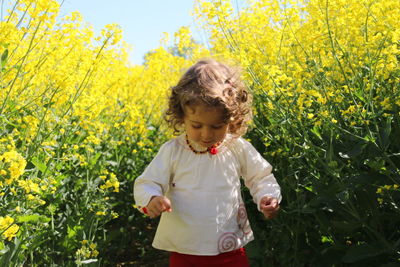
<point x="207" y="144"/>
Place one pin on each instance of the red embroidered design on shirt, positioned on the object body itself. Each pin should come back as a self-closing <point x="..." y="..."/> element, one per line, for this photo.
<point x="242" y="220"/>
<point x="229" y="241"/>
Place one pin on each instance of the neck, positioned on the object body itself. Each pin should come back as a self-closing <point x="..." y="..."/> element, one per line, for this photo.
<point x="212" y="149"/>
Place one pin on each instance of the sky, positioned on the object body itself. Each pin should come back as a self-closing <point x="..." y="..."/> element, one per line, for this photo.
<point x="142" y="21"/>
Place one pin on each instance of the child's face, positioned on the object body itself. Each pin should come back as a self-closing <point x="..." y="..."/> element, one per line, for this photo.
<point x="205" y="125"/>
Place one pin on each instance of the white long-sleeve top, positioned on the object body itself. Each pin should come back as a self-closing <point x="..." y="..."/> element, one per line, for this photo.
<point x="208" y="214"/>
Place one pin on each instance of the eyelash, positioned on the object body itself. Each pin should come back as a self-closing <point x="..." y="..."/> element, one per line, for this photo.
<point x="199" y="126"/>
<point x="216" y="127"/>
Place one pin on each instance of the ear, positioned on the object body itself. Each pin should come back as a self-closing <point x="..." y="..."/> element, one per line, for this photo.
<point x="232" y="128"/>
<point x="235" y="125"/>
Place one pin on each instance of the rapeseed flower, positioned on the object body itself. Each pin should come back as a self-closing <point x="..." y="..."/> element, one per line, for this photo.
<point x="8" y="228"/>
<point x="14" y="165"/>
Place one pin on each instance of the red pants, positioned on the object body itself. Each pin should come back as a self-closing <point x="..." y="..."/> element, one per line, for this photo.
<point x="236" y="258"/>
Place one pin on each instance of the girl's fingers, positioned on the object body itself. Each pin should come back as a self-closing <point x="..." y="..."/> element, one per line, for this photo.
<point x="156" y="206"/>
<point x="271" y="210"/>
<point x="163" y="205"/>
<point x="154" y="213"/>
<point x="272" y="207"/>
<point x="266" y="201"/>
<point x="166" y="205"/>
<point x="269" y="203"/>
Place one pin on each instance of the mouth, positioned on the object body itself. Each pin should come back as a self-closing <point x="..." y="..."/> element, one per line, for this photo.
<point x="207" y="143"/>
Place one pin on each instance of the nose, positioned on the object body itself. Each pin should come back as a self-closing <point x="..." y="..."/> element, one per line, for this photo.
<point x="207" y="134"/>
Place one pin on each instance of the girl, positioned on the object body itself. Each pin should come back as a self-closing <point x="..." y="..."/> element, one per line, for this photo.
<point x="193" y="182"/>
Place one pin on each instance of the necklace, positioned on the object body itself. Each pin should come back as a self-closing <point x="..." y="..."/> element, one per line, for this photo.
<point x="212" y="149"/>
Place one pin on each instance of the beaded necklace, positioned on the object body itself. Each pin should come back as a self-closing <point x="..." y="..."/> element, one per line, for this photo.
<point x="212" y="149"/>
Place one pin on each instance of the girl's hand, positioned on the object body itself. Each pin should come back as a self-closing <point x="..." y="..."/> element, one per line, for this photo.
<point x="269" y="207"/>
<point x="157" y="205"/>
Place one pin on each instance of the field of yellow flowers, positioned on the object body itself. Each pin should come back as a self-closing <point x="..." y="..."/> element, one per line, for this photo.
<point x="78" y="123"/>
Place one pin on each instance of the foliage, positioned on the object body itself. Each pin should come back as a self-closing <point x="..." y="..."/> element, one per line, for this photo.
<point x="78" y="123"/>
<point x="325" y="75"/>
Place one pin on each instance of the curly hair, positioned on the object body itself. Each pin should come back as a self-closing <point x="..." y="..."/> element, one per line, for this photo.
<point x="211" y="83"/>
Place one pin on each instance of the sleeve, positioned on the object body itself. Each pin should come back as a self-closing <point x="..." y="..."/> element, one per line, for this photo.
<point x="154" y="181"/>
<point x="257" y="173"/>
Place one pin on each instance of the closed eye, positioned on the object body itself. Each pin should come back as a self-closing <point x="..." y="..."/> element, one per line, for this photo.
<point x="217" y="127"/>
<point x="196" y="126"/>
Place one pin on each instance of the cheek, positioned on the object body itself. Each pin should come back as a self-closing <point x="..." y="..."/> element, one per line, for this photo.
<point x="187" y="127"/>
<point x="223" y="132"/>
<point x="192" y="133"/>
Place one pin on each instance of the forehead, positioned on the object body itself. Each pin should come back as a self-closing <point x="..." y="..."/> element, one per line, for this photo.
<point x="204" y="114"/>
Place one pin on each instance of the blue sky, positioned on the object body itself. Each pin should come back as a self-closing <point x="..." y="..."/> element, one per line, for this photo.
<point x="142" y="21"/>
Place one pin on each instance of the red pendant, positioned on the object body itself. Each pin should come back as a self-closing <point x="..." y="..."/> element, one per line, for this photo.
<point x="213" y="150"/>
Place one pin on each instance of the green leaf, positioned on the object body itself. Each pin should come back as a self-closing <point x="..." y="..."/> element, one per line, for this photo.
<point x="390" y="264"/>
<point x="360" y="94"/>
<point x="94" y="159"/>
<point x="4" y="56"/>
<point x="3" y="60"/>
<point x="346" y="227"/>
<point x="343" y="196"/>
<point x="33" y="218"/>
<point x="360" y="252"/>
<point x="331" y="256"/>
<point x="309" y="188"/>
<point x="355" y="151"/>
<point x="3" y="248"/>
<point x="316" y="131"/>
<point x="326" y="239"/>
<point x="71" y="232"/>
<point x="384" y="134"/>
<point x="38" y="164"/>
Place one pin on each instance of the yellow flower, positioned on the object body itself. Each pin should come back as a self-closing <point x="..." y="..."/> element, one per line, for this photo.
<point x="386" y="103"/>
<point x="16" y="164"/>
<point x="29" y="186"/>
<point x="111" y="182"/>
<point x="11" y="232"/>
<point x="387" y="187"/>
<point x="5" y="222"/>
<point x="7" y="225"/>
<point x="95" y="253"/>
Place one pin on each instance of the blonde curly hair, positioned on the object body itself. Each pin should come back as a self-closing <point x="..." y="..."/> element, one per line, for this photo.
<point x="214" y="84"/>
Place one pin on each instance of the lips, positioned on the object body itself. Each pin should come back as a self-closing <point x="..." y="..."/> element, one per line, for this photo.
<point x="207" y="143"/>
